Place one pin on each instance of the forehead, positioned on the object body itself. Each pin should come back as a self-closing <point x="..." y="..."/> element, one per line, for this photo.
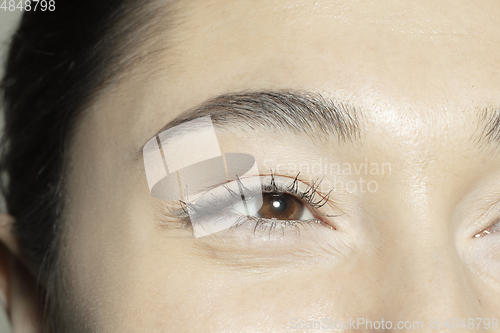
<point x="413" y="66"/>
<point x="401" y="49"/>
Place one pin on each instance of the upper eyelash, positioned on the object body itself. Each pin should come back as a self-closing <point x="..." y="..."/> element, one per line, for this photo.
<point x="307" y="195"/>
<point x="486" y="231"/>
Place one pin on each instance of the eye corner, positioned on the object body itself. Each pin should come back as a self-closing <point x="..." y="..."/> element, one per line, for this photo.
<point x="491" y="229"/>
<point x="481" y="234"/>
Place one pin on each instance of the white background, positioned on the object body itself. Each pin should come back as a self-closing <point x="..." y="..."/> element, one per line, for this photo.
<point x="8" y="23"/>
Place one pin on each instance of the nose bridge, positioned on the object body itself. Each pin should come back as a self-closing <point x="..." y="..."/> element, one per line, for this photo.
<point x="429" y="281"/>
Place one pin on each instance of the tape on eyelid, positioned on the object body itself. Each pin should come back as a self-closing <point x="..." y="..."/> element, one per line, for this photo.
<point x="204" y="226"/>
<point x="186" y="160"/>
<point x="201" y="176"/>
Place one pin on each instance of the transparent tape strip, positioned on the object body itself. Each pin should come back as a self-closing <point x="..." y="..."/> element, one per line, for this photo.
<point x="185" y="161"/>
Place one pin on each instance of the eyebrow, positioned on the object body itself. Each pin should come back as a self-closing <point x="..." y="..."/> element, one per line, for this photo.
<point x="296" y="112"/>
<point x="490" y="118"/>
<point x="303" y="112"/>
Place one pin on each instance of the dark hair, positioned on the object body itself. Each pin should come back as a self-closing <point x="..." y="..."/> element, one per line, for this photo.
<point x="57" y="63"/>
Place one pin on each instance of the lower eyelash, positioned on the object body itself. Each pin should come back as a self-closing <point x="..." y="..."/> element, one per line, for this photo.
<point x="262" y="224"/>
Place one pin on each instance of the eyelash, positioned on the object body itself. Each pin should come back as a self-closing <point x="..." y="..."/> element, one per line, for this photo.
<point x="308" y="197"/>
<point x="488" y="231"/>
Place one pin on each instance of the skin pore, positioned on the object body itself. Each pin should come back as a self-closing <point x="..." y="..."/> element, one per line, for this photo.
<point x="423" y="80"/>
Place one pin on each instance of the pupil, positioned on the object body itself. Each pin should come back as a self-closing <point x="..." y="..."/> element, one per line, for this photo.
<point x="279" y="204"/>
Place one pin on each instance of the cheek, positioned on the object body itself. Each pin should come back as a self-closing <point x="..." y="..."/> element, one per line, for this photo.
<point x="128" y="272"/>
<point x="482" y="256"/>
<point x="197" y="295"/>
<point x="160" y="282"/>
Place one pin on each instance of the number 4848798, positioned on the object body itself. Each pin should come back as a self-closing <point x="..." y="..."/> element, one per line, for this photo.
<point x="28" y="5"/>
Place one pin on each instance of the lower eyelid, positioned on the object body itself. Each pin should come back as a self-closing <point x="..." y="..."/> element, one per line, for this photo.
<point x="275" y="229"/>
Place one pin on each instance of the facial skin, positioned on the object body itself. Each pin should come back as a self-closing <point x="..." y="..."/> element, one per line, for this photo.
<point x="420" y="75"/>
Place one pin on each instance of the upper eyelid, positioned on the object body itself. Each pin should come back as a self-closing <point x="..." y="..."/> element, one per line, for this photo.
<point x="299" y="180"/>
<point x="485" y="220"/>
<point x="284" y="188"/>
<point x="310" y="187"/>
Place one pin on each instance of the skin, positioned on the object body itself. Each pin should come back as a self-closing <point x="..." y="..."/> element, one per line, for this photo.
<point x="420" y="74"/>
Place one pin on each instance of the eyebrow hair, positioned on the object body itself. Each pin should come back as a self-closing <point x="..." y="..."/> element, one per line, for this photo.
<point x="491" y="131"/>
<point x="302" y="112"/>
<point x="296" y="112"/>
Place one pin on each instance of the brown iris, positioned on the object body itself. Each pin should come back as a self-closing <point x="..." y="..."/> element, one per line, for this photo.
<point x="281" y="207"/>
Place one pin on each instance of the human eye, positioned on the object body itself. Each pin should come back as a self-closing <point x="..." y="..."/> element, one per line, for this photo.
<point x="493" y="228"/>
<point x="259" y="206"/>
<point x="483" y="251"/>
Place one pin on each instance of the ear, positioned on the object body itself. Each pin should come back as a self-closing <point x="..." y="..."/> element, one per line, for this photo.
<point x="17" y="285"/>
